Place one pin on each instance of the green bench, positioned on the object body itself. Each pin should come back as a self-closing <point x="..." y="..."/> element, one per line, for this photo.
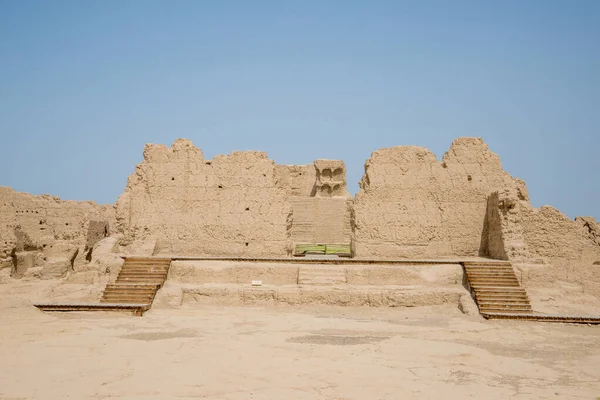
<point x="342" y="250"/>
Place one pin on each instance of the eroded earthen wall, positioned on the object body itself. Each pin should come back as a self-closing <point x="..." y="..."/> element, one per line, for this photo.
<point x="48" y="234"/>
<point x="549" y="249"/>
<point x="412" y="205"/>
<point x="231" y="205"/>
<point x="296" y="180"/>
<point x="321" y="220"/>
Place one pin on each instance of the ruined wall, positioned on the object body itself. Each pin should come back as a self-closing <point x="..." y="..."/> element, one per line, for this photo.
<point x="548" y="248"/>
<point x="321" y="213"/>
<point x="412" y="205"/>
<point x="330" y="179"/>
<point x="45" y="236"/>
<point x="230" y="205"/>
<point x="321" y="220"/>
<point x="296" y="180"/>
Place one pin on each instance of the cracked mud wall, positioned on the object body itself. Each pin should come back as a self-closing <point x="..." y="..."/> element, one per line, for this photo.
<point x="43" y="236"/>
<point x="412" y="205"/>
<point x="548" y="248"/>
<point x="230" y="205"/>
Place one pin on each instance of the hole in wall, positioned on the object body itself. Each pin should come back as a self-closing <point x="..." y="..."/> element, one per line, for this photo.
<point x="247" y="244"/>
<point x="66" y="223"/>
<point x="247" y="208"/>
<point x="220" y="186"/>
<point x="469" y="178"/>
<point x="444" y="165"/>
<point x="173" y="178"/>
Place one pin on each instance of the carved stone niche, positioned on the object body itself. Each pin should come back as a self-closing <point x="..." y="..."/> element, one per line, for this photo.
<point x="330" y="179"/>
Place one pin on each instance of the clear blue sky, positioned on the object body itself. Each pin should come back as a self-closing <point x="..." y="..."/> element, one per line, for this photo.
<point x="85" y="84"/>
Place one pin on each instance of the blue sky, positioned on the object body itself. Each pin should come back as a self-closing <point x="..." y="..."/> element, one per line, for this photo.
<point x="85" y="84"/>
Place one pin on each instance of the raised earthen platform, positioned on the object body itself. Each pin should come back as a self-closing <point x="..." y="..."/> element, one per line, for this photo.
<point x="326" y="281"/>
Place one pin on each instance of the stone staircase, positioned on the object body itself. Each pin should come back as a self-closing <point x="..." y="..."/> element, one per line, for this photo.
<point x="323" y="276"/>
<point x="137" y="282"/>
<point x="496" y="288"/>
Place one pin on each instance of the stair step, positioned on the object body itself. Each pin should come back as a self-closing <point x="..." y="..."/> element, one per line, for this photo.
<point x="163" y="270"/>
<point x="131" y="286"/>
<point x="145" y="262"/>
<point x="130" y="292"/>
<point x="487" y="262"/>
<point x="503" y="301"/>
<point x="124" y="294"/>
<point x="487" y="271"/>
<point x="502" y="297"/>
<point x="126" y="301"/>
<point x="124" y="297"/>
<point x="501" y="293"/>
<point x="494" y="279"/>
<point x="505" y="310"/>
<point x="501" y="288"/>
<point x="157" y="277"/>
<point x="488" y="304"/>
<point x="146" y="272"/>
<point x="495" y="284"/>
<point x="127" y="265"/>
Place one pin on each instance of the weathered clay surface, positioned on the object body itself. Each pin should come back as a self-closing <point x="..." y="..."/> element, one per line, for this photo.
<point x="548" y="248"/>
<point x="321" y="220"/>
<point x="55" y="234"/>
<point x="230" y="205"/>
<point x="296" y="180"/>
<point x="105" y="263"/>
<point x="331" y="178"/>
<point x="412" y="205"/>
<point x="349" y="296"/>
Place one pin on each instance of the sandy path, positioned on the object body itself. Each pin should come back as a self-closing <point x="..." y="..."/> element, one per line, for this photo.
<point x="288" y="353"/>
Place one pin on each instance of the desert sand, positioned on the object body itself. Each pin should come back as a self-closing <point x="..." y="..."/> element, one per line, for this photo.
<point x="284" y="352"/>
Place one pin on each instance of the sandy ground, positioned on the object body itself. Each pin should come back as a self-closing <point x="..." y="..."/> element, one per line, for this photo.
<point x="288" y="353"/>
